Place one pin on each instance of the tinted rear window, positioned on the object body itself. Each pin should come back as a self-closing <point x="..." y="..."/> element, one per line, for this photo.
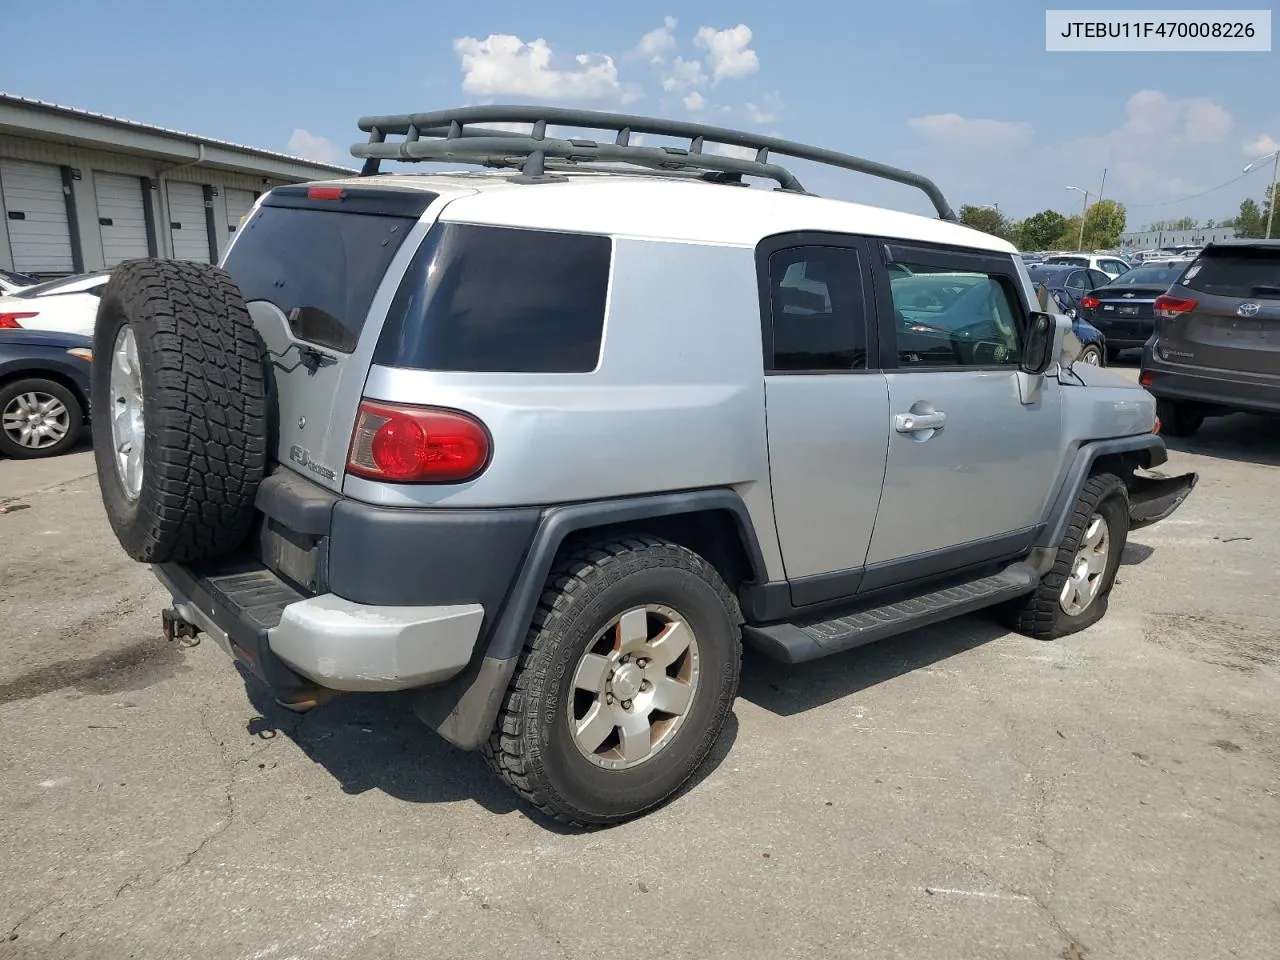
<point x="319" y="263"/>
<point x="1236" y="273"/>
<point x="1148" y="276"/>
<point x="500" y="300"/>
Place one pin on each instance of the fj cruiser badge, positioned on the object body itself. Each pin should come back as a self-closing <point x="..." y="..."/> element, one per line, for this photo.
<point x="303" y="459"/>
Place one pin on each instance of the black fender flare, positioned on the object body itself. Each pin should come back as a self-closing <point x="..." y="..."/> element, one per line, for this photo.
<point x="1147" y="449"/>
<point x="463" y="711"/>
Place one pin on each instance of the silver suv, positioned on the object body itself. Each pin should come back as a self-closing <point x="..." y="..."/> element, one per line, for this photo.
<point x="545" y="444"/>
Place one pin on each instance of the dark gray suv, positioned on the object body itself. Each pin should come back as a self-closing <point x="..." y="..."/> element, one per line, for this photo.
<point x="1216" y="348"/>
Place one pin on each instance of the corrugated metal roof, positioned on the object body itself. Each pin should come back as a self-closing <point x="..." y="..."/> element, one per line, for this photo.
<point x="45" y="105"/>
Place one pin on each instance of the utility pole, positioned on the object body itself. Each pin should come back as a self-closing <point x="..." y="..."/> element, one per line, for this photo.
<point x="1271" y="207"/>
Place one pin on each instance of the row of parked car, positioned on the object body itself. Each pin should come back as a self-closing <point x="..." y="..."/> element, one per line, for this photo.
<point x="45" y="354"/>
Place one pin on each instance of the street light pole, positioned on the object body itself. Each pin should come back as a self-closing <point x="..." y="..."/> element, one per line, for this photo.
<point x="1271" y="197"/>
<point x="1080" y="245"/>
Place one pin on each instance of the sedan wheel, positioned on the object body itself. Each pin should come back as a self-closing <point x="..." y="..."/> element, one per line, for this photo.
<point x="1090" y="355"/>
<point x="38" y="418"/>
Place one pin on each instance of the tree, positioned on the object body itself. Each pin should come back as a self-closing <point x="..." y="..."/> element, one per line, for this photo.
<point x="1103" y="224"/>
<point x="986" y="219"/>
<point x="1250" y="222"/>
<point x="1181" y="223"/>
<point x="1040" y="230"/>
<point x="1069" y="238"/>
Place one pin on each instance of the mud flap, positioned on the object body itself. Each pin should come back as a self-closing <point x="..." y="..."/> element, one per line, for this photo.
<point x="1152" y="499"/>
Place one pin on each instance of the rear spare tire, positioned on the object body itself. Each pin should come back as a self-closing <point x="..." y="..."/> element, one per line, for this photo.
<point x="178" y="391"/>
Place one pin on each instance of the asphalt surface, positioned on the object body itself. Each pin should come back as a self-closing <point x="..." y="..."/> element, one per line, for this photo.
<point x="960" y="792"/>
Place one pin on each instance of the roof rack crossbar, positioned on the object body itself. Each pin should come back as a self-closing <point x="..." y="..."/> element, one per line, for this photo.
<point x="459" y="135"/>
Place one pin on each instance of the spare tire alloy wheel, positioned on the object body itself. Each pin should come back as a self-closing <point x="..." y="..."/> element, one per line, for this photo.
<point x="128" y="423"/>
<point x="181" y="441"/>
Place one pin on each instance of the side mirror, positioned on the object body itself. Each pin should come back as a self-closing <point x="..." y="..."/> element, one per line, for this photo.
<point x="1037" y="343"/>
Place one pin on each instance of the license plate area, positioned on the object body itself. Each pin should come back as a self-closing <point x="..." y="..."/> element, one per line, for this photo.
<point x="294" y="556"/>
<point x="1128" y="310"/>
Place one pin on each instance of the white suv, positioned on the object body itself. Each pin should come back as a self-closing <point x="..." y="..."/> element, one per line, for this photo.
<point x="1111" y="266"/>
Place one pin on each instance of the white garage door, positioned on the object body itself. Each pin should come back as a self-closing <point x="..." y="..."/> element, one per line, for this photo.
<point x="122" y="218"/>
<point x="187" y="224"/>
<point x="239" y="203"/>
<point x="37" y="217"/>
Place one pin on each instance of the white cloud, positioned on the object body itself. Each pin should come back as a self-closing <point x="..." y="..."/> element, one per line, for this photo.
<point x="731" y="150"/>
<point x="504" y="64"/>
<point x="729" y="53"/>
<point x="1262" y="146"/>
<point x="768" y="110"/>
<point x="1206" y="122"/>
<point x="956" y="131"/>
<point x="305" y="144"/>
<point x="682" y="74"/>
<point x="695" y="101"/>
<point x="657" y="43"/>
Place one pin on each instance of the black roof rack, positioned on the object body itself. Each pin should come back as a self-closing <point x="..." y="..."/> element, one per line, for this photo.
<point x="448" y="135"/>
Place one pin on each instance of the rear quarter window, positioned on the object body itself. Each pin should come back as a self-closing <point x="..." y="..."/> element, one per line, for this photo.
<point x="1236" y="273"/>
<point x="488" y="299"/>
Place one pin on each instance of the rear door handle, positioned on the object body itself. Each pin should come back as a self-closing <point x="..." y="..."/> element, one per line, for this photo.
<point x="916" y="422"/>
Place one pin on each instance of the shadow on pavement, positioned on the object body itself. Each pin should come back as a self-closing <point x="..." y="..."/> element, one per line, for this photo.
<point x="1243" y="437"/>
<point x="787" y="690"/>
<point x="376" y="742"/>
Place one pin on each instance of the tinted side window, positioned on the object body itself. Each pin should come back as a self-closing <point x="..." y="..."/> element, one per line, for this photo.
<point x="500" y="300"/>
<point x="318" y="266"/>
<point x="950" y="318"/>
<point x="1076" y="281"/>
<point x="818" y="310"/>
<point x="1098" y="279"/>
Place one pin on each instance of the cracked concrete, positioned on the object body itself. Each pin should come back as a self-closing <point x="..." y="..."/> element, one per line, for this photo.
<point x="959" y="793"/>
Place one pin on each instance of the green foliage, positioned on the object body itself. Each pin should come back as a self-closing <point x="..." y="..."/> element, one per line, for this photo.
<point x="987" y="220"/>
<point x="1250" y="222"/>
<point x="1103" y="223"/>
<point x="1040" y="230"/>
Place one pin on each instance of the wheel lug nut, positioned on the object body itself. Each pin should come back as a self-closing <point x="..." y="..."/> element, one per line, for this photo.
<point x="645" y="685"/>
<point x="626" y="704"/>
<point x="608" y="698"/>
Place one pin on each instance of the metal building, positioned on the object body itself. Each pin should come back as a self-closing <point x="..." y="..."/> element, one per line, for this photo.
<point x="1156" y="239"/>
<point x="80" y="191"/>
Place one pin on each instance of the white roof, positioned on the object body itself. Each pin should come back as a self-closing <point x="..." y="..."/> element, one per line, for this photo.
<point x="671" y="208"/>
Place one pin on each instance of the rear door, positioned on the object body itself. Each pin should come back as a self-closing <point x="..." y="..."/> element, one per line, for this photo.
<point x="312" y="270"/>
<point x="826" y="406"/>
<point x="1226" y="311"/>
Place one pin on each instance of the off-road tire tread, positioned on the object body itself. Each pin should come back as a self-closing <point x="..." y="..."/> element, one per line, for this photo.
<point x="507" y="750"/>
<point x="208" y="410"/>
<point x="1037" y="615"/>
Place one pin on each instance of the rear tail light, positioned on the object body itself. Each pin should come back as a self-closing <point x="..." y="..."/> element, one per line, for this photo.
<point x="324" y="193"/>
<point x="9" y="321"/>
<point x="1170" y="308"/>
<point x="1145" y="378"/>
<point x="403" y="444"/>
<point x="1090" y="303"/>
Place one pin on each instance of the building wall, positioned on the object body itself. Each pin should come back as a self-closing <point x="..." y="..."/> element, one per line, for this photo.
<point x="1153" y="239"/>
<point x="161" y="173"/>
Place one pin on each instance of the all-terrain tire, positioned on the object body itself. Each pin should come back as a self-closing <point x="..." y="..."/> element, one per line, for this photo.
<point x="1041" y="614"/>
<point x="1177" y="418"/>
<point x="532" y="746"/>
<point x="204" y="400"/>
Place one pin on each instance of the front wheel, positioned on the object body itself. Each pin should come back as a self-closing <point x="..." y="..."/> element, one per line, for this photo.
<point x="626" y="680"/>
<point x="1074" y="593"/>
<point x="38" y="418"/>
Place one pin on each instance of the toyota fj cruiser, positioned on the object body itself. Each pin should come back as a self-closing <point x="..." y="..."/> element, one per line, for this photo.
<point x="545" y="444"/>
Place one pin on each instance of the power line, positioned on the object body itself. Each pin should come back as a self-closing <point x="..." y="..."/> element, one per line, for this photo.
<point x="1194" y="196"/>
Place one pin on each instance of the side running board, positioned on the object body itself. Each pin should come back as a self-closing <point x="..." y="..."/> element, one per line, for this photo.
<point x="811" y="639"/>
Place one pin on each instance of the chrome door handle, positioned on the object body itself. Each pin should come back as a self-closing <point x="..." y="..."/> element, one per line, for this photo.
<point x="916" y="422"/>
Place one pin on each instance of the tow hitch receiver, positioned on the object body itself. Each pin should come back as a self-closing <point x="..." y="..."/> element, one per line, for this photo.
<point x="175" y="628"/>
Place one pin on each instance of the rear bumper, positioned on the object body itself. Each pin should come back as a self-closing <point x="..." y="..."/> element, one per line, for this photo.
<point x="1230" y="390"/>
<point x="281" y="635"/>
<point x="1123" y="334"/>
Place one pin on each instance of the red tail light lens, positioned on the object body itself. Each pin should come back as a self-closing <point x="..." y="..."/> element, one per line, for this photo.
<point x="1170" y="308"/>
<point x="324" y="193"/>
<point x="1145" y="378"/>
<point x="403" y="444"/>
<point x="9" y="321"/>
<point x="1090" y="303"/>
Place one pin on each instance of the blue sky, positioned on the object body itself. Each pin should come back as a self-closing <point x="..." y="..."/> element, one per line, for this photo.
<point x="961" y="91"/>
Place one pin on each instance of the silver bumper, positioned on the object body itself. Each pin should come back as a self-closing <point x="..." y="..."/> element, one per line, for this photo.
<point x="349" y="646"/>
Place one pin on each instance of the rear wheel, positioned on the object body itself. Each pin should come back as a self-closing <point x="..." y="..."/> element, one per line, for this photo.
<point x="1113" y="355"/>
<point x="1177" y="418"/>
<point x="1092" y="355"/>
<point x="178" y="391"/>
<point x="38" y="418"/>
<point x="625" y="682"/>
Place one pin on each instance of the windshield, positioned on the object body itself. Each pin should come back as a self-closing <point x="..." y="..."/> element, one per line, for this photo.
<point x="1151" y="276"/>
